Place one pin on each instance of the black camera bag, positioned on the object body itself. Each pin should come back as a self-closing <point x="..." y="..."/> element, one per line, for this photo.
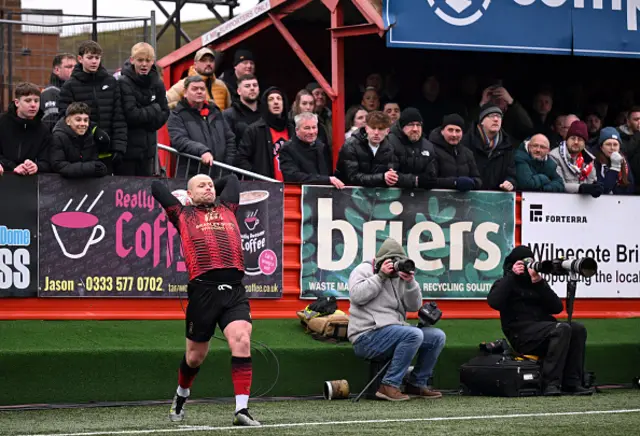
<point x="501" y="375"/>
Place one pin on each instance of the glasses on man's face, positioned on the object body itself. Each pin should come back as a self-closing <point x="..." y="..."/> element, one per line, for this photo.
<point x="542" y="147"/>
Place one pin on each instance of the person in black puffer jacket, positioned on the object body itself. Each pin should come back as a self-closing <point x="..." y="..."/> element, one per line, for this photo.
<point x="25" y="140"/>
<point x="367" y="157"/>
<point x="417" y="165"/>
<point x="492" y="150"/>
<point x="527" y="304"/>
<point x="74" y="150"/>
<point x="145" y="108"/>
<point x="455" y="163"/>
<point x="90" y="83"/>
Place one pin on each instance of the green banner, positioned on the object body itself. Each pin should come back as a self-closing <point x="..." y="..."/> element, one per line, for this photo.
<point x="458" y="240"/>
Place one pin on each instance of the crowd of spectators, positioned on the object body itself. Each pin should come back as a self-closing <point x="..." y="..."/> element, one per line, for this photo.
<point x="87" y="123"/>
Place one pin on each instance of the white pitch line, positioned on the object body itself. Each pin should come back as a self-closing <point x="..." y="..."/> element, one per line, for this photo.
<point x="185" y="428"/>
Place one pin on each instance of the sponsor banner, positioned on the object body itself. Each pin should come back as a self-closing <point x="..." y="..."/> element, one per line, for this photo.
<point x="582" y="27"/>
<point x="458" y="241"/>
<point x="110" y="238"/>
<point x="575" y="226"/>
<point x="18" y="236"/>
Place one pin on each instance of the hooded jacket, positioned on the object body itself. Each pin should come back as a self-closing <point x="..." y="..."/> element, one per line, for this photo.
<point x="535" y="175"/>
<point x="377" y="302"/>
<point x="101" y="91"/>
<point x="415" y="159"/>
<point x="357" y="164"/>
<point x="72" y="155"/>
<point x="519" y="300"/>
<point x="144" y="102"/>
<point x="49" y="101"/>
<point x="256" y="150"/>
<point x="453" y="162"/>
<point x="571" y="179"/>
<point x="216" y="91"/>
<point x="23" y="139"/>
<point x="496" y="164"/>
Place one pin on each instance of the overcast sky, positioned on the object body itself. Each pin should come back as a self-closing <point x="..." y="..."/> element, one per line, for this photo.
<point x="132" y="8"/>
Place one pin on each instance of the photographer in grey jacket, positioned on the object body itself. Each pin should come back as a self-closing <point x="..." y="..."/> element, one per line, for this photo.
<point x="380" y="299"/>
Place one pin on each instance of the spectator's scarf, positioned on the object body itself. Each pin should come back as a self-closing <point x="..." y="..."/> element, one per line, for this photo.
<point x="579" y="166"/>
<point x="487" y="141"/>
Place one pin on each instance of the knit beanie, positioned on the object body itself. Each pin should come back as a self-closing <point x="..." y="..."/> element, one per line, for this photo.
<point x="453" y="120"/>
<point x="488" y="109"/>
<point x="608" y="133"/>
<point x="410" y="115"/>
<point x="578" y="128"/>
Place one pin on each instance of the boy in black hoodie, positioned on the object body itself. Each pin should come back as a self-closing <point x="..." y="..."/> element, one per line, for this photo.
<point x="24" y="142"/>
<point x="90" y="83"/>
<point x="74" y="152"/>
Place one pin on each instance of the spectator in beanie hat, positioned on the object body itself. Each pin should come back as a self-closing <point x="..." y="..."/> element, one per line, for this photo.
<point x="416" y="156"/>
<point x="492" y="149"/>
<point x="243" y="64"/>
<point x="456" y="166"/>
<point x="575" y="164"/>
<point x="612" y="168"/>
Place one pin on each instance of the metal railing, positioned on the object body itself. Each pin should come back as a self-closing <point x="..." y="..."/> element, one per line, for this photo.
<point x="220" y="166"/>
<point x="31" y="38"/>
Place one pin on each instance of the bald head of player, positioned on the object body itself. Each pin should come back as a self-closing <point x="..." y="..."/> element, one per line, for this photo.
<point x="201" y="190"/>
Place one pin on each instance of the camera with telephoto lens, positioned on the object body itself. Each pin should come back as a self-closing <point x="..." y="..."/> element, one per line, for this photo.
<point x="404" y="265"/>
<point x="429" y="314"/>
<point x="584" y="266"/>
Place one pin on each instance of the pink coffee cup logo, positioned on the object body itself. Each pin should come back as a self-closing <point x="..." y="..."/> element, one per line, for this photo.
<point x="77" y="226"/>
<point x="253" y="216"/>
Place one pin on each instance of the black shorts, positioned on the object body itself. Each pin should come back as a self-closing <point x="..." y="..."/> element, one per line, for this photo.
<point x="211" y="304"/>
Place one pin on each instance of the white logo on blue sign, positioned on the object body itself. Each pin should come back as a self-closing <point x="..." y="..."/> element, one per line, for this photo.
<point x="465" y="11"/>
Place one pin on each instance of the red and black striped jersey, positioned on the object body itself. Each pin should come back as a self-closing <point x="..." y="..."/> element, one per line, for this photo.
<point x="210" y="234"/>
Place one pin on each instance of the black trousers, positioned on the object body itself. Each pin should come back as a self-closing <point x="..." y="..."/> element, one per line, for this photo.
<point x="561" y="345"/>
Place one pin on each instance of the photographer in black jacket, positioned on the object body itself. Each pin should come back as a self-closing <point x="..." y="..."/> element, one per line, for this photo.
<point x="526" y="303"/>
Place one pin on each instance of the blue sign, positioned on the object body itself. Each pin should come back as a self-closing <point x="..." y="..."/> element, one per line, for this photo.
<point x="581" y="27"/>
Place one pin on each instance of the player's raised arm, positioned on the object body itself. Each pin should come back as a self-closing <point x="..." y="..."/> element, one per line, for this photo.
<point x="162" y="193"/>
<point x="228" y="190"/>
